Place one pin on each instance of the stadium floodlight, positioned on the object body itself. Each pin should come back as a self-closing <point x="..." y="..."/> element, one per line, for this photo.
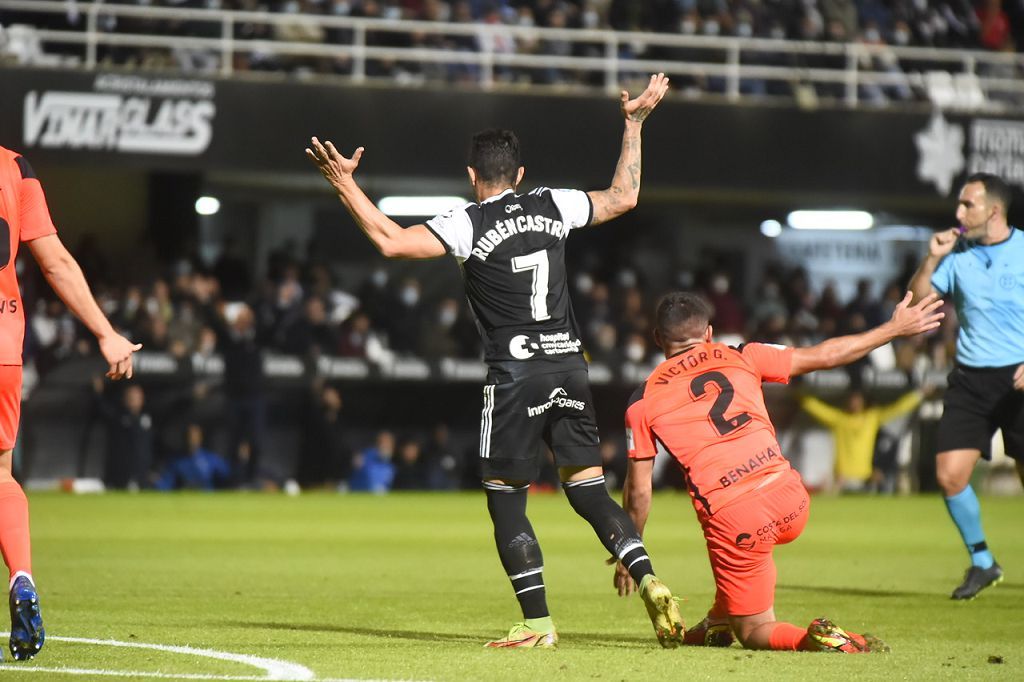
<point x="207" y="205"/>
<point x="830" y="220"/>
<point x="418" y="206"/>
<point x="771" y="228"/>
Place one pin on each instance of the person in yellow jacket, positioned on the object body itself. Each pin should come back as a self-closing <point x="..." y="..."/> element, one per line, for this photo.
<point x="855" y="430"/>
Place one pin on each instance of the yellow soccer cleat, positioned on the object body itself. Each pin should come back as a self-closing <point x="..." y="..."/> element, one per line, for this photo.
<point x="522" y="636"/>
<point x="664" y="612"/>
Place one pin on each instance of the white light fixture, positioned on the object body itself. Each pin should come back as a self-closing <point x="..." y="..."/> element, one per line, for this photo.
<point x="771" y="228"/>
<point x="830" y="220"/>
<point x="207" y="205"/>
<point x="418" y="206"/>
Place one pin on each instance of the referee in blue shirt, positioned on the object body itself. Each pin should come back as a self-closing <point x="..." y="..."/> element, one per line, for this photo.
<point x="981" y="266"/>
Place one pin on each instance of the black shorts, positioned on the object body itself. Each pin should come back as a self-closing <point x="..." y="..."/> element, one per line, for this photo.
<point x="978" y="401"/>
<point x="524" y="407"/>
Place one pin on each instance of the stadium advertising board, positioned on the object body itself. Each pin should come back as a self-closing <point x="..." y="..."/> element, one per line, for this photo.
<point x="947" y="149"/>
<point x="693" y="150"/>
<point x="122" y="113"/>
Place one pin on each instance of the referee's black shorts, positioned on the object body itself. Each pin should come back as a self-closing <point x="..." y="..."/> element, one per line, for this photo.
<point x="530" y="403"/>
<point x="978" y="401"/>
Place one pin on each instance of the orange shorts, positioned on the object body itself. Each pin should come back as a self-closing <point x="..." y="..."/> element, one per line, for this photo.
<point x="741" y="537"/>
<point x="10" y="405"/>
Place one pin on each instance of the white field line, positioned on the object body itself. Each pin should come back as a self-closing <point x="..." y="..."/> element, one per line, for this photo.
<point x="274" y="669"/>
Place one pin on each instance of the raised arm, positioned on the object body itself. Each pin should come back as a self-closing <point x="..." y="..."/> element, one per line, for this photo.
<point x="907" y="320"/>
<point x="62" y="272"/>
<point x="390" y="238"/>
<point x="624" y="191"/>
<point x="939" y="247"/>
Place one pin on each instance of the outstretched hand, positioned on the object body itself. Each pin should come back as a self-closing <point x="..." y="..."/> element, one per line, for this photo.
<point x="335" y="168"/>
<point x="621" y="580"/>
<point x="640" y="108"/>
<point x="908" y="320"/>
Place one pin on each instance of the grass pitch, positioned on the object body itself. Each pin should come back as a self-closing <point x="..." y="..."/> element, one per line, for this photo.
<point x="409" y="587"/>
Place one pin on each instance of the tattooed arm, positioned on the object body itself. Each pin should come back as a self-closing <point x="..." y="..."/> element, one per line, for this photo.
<point x="625" y="188"/>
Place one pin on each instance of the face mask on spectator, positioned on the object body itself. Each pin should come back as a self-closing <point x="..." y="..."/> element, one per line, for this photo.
<point x="921" y="5"/>
<point x="447" y="317"/>
<point x="410" y="296"/>
<point x="379" y="278"/>
<point x="778" y="33"/>
<point x="393" y="12"/>
<point x="900" y="37"/>
<point x="291" y="7"/>
<point x="711" y="27"/>
<point x="872" y="36"/>
<point x="720" y="285"/>
<point x="744" y="30"/>
<point x="634" y="352"/>
<point x="341" y="9"/>
<point x="688" y="26"/>
<point x="591" y="19"/>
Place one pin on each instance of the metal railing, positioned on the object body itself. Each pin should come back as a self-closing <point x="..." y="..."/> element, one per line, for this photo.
<point x="853" y="74"/>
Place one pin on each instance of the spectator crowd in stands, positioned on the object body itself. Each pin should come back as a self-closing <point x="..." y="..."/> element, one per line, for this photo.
<point x="994" y="25"/>
<point x="197" y="311"/>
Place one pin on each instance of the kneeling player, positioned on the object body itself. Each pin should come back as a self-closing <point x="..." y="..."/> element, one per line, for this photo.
<point x="704" y="403"/>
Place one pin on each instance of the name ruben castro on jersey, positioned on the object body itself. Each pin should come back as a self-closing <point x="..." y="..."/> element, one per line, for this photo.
<point x="509" y="227"/>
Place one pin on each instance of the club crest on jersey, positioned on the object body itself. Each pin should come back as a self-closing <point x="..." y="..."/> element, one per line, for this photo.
<point x="558" y="398"/>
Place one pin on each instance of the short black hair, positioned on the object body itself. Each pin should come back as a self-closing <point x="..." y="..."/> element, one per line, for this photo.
<point x="682" y="315"/>
<point x="494" y="155"/>
<point x="995" y="188"/>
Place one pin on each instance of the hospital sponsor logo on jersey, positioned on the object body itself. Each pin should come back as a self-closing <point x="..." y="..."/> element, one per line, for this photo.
<point x="557" y="398"/>
<point x="523" y="347"/>
<point x="125" y="114"/>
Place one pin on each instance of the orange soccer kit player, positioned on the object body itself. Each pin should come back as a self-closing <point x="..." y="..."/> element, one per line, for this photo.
<point x="24" y="217"/>
<point x="705" y="406"/>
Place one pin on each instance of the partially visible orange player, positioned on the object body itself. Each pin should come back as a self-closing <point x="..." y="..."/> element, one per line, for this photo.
<point x="24" y="217"/>
<point x="704" y="404"/>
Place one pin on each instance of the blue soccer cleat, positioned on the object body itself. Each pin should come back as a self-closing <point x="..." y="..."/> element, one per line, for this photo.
<point x="27" y="633"/>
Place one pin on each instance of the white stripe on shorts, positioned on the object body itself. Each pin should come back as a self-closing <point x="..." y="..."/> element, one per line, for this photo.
<point x="485" y="422"/>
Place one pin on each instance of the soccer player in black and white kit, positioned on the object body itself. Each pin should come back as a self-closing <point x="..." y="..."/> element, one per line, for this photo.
<point x="511" y="248"/>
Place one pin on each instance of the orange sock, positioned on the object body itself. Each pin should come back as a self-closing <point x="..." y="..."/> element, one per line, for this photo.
<point x="14" y="538"/>
<point x="788" y="637"/>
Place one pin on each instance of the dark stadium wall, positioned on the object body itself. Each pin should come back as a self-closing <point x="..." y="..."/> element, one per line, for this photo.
<point x="694" y="153"/>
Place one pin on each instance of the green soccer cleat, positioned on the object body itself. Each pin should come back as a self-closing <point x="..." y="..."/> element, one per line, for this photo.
<point x="825" y="635"/>
<point x="522" y="636"/>
<point x="664" y="612"/>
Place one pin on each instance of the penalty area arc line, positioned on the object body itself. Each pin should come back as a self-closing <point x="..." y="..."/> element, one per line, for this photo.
<point x="273" y="669"/>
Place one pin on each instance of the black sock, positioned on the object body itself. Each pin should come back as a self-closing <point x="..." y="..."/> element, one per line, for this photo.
<point x="518" y="547"/>
<point x="589" y="498"/>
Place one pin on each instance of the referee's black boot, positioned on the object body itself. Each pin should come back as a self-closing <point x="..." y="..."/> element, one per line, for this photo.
<point x="976" y="579"/>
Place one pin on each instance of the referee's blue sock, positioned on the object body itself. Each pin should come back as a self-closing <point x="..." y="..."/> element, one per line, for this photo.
<point x="966" y="513"/>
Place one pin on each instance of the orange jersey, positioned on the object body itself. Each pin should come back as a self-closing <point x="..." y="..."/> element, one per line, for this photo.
<point x="23" y="217"/>
<point x="706" y="407"/>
